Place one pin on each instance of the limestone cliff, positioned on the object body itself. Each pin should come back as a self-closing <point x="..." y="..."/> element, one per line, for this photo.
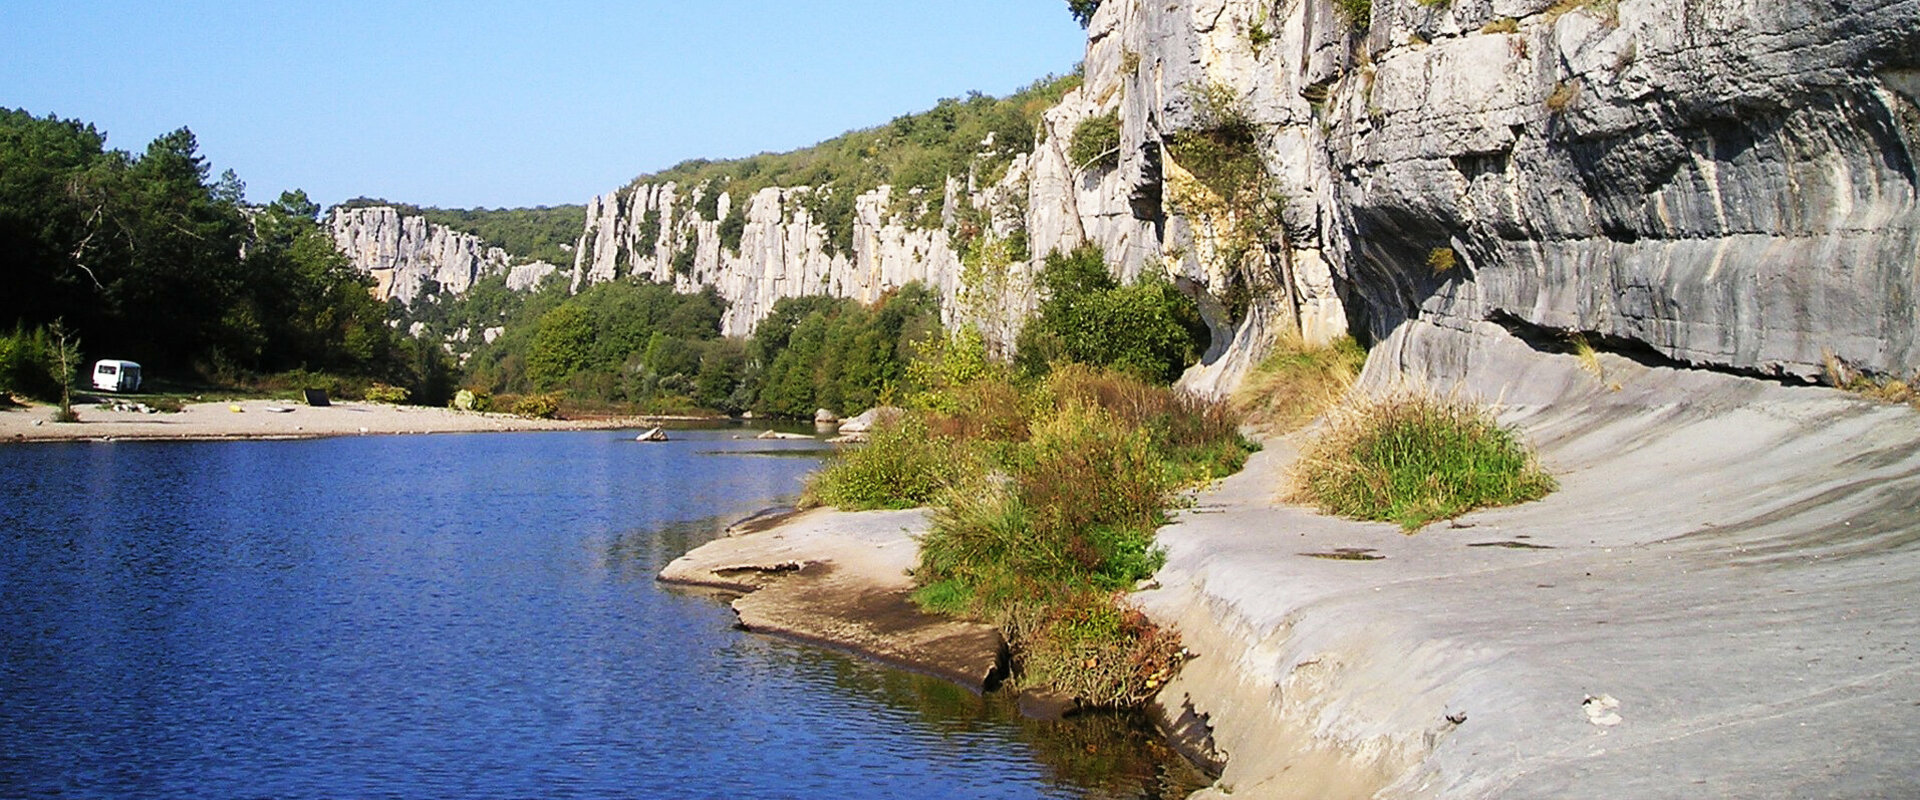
<point x="1716" y="184"/>
<point x="410" y="257"/>
<point x="1729" y="185"/>
<point x="652" y="231"/>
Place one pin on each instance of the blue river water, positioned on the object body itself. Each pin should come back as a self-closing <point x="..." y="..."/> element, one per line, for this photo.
<point x="457" y="616"/>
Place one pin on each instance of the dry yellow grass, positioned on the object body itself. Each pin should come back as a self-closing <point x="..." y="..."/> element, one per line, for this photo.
<point x="1298" y="382"/>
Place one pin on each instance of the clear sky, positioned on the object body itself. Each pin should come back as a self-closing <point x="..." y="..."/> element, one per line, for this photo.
<point x="462" y="104"/>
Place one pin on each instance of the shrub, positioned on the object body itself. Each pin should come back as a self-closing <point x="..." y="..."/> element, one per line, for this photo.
<point x="1413" y="459"/>
<point x="471" y="399"/>
<point x="1297" y="382"/>
<point x="1147" y="328"/>
<point x="1045" y="504"/>
<point x="1502" y="25"/>
<point x="27" y="364"/>
<point x="1222" y="149"/>
<point x="1096" y="142"/>
<point x="734" y="227"/>
<point x="902" y="465"/>
<point x="1357" y="13"/>
<point x="1093" y="485"/>
<point x="1093" y="647"/>
<point x="382" y="393"/>
<point x="536" y="406"/>
<point x="1442" y="260"/>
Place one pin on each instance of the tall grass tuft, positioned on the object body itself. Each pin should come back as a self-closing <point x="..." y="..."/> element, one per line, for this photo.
<point x="1297" y="382"/>
<point x="1412" y="459"/>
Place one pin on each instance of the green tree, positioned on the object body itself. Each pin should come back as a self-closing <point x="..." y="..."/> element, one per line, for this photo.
<point x="1148" y="328"/>
<point x="1082" y="10"/>
<point x="560" y="345"/>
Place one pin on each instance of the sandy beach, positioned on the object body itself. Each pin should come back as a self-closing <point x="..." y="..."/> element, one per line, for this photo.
<point x="269" y="419"/>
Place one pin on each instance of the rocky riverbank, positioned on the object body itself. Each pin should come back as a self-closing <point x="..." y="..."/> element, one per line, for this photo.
<point x="841" y="579"/>
<point x="1718" y="601"/>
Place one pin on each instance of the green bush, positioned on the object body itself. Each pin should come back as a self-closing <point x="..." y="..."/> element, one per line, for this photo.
<point x="900" y="466"/>
<point x="1357" y="13"/>
<point x="382" y="393"/>
<point x="734" y="227"/>
<point x="1096" y="142"/>
<point x="27" y="364"/>
<point x="1045" y="500"/>
<point x="1147" y="328"/>
<point x="1412" y="459"/>
<point x="537" y="406"/>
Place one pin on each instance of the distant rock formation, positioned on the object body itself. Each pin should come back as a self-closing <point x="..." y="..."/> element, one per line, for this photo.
<point x="410" y="257"/>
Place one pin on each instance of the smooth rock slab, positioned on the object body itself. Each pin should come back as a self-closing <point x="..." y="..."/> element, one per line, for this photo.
<point x="840" y="578"/>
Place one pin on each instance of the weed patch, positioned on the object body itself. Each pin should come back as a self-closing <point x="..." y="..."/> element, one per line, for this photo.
<point x="1045" y="496"/>
<point x="901" y="466"/>
<point x="1412" y="459"/>
<point x="1884" y="388"/>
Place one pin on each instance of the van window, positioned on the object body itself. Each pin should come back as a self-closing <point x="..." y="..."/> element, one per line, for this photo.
<point x="106" y="369"/>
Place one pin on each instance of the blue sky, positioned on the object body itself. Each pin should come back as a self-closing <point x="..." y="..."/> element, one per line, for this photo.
<point x="507" y="104"/>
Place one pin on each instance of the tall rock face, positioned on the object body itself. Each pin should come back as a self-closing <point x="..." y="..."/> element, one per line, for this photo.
<point x="410" y="257"/>
<point x="1714" y="183"/>
<point x="654" y="232"/>
<point x="1729" y="185"/>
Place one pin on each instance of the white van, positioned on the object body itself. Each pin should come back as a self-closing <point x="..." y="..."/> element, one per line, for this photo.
<point x="116" y="376"/>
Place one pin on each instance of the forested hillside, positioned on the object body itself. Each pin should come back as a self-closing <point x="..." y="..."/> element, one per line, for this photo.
<point x="975" y="137"/>
<point x="145" y="256"/>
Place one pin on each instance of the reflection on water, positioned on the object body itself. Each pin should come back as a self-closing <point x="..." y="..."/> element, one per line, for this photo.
<point x="453" y="616"/>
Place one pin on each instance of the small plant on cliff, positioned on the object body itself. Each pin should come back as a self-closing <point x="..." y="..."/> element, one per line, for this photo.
<point x="1836" y="372"/>
<point x="1082" y="10"/>
<point x="1502" y="25"/>
<point x="649" y="234"/>
<point x="683" y="261"/>
<point x="1096" y="142"/>
<point x="734" y="227"/>
<point x="1563" y="95"/>
<point x="1413" y="458"/>
<point x="1357" y="13"/>
<point x="1442" y="260"/>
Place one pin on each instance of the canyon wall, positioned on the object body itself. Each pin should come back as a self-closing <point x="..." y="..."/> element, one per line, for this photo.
<point x="1722" y="184"/>
<point x="1710" y="183"/>
<point x="410" y="257"/>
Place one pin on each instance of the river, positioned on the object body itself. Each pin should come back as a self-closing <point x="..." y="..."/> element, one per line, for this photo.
<point x="457" y="616"/>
